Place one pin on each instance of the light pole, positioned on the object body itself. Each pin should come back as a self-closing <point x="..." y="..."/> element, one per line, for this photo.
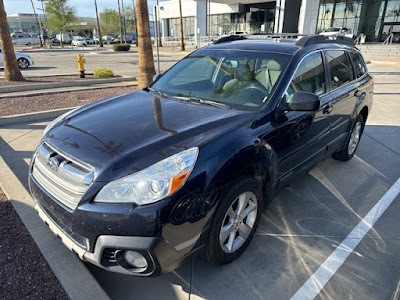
<point x="123" y="14"/>
<point x="158" y="21"/>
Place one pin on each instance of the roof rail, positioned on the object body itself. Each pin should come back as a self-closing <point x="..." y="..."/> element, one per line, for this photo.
<point x="321" y="39"/>
<point x="304" y="39"/>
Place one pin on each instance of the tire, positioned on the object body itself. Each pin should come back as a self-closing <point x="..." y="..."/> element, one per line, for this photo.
<point x="28" y="44"/>
<point x="23" y="63"/>
<point x="231" y="232"/>
<point x="352" y="142"/>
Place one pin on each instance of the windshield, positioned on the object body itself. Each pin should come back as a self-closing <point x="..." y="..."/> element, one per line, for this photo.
<point x="240" y="79"/>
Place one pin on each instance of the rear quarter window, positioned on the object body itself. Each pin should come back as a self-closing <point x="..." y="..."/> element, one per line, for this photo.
<point x="358" y="64"/>
<point x="341" y="71"/>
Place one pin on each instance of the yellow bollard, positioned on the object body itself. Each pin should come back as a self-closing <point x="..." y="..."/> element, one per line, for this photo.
<point x="81" y="66"/>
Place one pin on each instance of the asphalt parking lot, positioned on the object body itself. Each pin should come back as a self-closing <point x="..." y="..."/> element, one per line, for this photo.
<point x="57" y="62"/>
<point x="305" y="225"/>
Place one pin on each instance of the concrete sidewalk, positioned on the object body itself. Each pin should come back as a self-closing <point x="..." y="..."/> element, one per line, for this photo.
<point x="17" y="143"/>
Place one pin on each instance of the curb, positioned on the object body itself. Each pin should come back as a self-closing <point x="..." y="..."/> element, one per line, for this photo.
<point x="75" y="89"/>
<point x="52" y="85"/>
<point x="33" y="117"/>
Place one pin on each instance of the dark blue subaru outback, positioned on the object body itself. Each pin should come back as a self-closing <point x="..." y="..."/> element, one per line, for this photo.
<point x="136" y="183"/>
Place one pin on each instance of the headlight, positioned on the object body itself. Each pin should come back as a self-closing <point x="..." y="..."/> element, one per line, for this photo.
<point x="55" y="121"/>
<point x="153" y="183"/>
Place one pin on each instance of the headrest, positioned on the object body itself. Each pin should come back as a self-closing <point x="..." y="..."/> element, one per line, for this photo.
<point x="273" y="65"/>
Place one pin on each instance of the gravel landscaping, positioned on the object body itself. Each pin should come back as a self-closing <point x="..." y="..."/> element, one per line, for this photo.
<point x="22" y="105"/>
<point x="46" y="79"/>
<point x="24" y="272"/>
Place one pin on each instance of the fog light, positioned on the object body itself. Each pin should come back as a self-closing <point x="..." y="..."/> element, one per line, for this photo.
<point x="135" y="259"/>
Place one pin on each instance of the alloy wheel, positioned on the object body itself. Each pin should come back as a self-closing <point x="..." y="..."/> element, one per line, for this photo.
<point x="354" y="138"/>
<point x="238" y="222"/>
<point x="23" y="63"/>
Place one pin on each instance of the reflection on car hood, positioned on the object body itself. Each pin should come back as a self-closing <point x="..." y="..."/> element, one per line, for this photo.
<point x="132" y="131"/>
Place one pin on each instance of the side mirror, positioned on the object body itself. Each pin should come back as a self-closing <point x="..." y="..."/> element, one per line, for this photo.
<point x="155" y="77"/>
<point x="303" y="101"/>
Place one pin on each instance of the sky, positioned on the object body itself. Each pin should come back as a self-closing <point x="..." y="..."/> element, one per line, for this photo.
<point x="84" y="8"/>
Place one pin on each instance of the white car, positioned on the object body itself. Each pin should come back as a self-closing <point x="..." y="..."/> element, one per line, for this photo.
<point x="239" y="33"/>
<point x="24" y="60"/>
<point x="337" y="31"/>
<point x="79" y="41"/>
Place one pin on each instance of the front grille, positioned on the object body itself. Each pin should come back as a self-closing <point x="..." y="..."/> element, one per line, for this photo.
<point x="62" y="178"/>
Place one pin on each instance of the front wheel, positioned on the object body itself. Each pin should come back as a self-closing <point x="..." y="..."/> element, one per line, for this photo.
<point x="352" y="143"/>
<point x="23" y="63"/>
<point x="234" y="222"/>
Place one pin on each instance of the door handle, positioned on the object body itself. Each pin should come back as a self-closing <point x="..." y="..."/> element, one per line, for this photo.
<point x="327" y="109"/>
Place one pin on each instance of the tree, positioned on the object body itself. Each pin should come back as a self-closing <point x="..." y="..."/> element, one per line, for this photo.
<point x="98" y="25"/>
<point x="181" y="21"/>
<point x="11" y="69"/>
<point x="109" y="21"/>
<point x="121" y="33"/>
<point x="37" y="26"/>
<point x="60" y="16"/>
<point x="145" y="48"/>
<point x="130" y="22"/>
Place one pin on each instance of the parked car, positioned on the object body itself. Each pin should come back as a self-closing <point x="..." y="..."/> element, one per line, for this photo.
<point x="337" y="31"/>
<point x="238" y="33"/>
<point x="79" y="41"/>
<point x="21" y="38"/>
<point x="136" y="183"/>
<point x="54" y="41"/>
<point x="24" y="60"/>
<point x="90" y="41"/>
<point x="65" y="38"/>
<point x="107" y="38"/>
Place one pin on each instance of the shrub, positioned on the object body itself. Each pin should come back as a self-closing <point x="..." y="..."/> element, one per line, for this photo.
<point x="122" y="47"/>
<point x="103" y="73"/>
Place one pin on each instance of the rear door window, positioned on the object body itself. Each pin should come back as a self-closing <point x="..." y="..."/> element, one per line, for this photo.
<point x="358" y="64"/>
<point x="340" y="67"/>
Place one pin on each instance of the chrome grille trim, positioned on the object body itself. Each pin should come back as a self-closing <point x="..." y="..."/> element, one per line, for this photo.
<point x="62" y="178"/>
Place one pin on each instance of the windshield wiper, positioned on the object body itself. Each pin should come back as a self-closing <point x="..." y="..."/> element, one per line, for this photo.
<point x="203" y="101"/>
<point x="157" y="92"/>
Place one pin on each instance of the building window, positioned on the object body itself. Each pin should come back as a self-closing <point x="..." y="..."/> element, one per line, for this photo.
<point x="174" y="27"/>
<point x="360" y="16"/>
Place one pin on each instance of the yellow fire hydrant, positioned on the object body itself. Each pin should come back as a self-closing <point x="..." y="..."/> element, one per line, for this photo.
<point x="81" y="66"/>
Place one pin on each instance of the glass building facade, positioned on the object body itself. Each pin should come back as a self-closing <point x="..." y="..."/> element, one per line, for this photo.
<point x="375" y="18"/>
<point x="250" y="19"/>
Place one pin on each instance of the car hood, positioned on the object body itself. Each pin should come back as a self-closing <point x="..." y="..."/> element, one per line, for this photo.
<point x="124" y="134"/>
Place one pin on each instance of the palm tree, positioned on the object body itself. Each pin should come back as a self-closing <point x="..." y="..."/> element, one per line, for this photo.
<point x="145" y="48"/>
<point x="120" y="25"/>
<point x="181" y="21"/>
<point x="37" y="25"/>
<point x="11" y="69"/>
<point x="98" y="25"/>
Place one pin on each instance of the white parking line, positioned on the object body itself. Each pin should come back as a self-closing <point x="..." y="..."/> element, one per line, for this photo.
<point x="317" y="281"/>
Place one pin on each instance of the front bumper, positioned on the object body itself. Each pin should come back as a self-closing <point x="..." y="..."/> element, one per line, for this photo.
<point x="105" y="236"/>
<point x="154" y="249"/>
